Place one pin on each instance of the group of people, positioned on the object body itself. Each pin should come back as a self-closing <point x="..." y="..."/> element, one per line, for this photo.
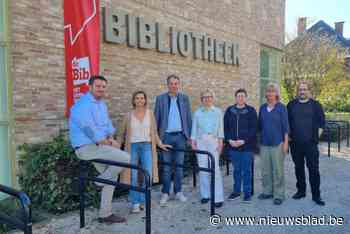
<point x="172" y="125"/>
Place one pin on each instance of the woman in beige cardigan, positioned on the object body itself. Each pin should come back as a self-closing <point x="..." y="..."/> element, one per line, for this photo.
<point x="139" y="135"/>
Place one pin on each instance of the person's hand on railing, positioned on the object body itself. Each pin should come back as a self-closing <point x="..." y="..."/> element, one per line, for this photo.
<point x="194" y="144"/>
<point x="115" y="143"/>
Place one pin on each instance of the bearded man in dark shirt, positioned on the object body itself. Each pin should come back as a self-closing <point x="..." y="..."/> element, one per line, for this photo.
<point x="307" y="121"/>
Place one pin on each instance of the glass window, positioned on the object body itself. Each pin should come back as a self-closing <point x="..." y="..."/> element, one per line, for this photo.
<point x="264" y="64"/>
<point x="270" y="69"/>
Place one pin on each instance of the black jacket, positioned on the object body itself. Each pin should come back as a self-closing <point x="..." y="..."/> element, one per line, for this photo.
<point x="318" y="119"/>
<point x="241" y="125"/>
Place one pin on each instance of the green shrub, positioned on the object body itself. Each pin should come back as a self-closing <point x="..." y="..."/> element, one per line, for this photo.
<point x="49" y="173"/>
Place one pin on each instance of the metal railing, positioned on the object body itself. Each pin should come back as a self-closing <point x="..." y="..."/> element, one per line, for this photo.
<point x="83" y="177"/>
<point x="339" y="126"/>
<point x="23" y="223"/>
<point x="195" y="168"/>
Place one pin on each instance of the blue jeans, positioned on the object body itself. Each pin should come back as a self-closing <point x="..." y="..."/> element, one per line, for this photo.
<point x="242" y="164"/>
<point x="177" y="140"/>
<point x="141" y="151"/>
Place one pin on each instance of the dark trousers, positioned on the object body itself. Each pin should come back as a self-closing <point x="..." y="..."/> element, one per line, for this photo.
<point x="306" y="152"/>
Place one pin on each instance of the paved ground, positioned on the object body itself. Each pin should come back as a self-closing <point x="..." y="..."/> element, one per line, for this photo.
<point x="192" y="217"/>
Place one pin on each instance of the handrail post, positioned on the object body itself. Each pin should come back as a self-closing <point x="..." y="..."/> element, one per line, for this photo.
<point x="329" y="141"/>
<point x="212" y="183"/>
<point x="347" y="133"/>
<point x="148" y="203"/>
<point x="28" y="222"/>
<point x="338" y="136"/>
<point x="82" y="174"/>
<point x="194" y="167"/>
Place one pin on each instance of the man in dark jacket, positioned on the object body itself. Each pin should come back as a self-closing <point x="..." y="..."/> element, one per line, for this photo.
<point x="174" y="121"/>
<point x="307" y="121"/>
<point x="240" y="129"/>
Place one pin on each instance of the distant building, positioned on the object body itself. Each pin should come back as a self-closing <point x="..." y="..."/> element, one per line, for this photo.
<point x="321" y="28"/>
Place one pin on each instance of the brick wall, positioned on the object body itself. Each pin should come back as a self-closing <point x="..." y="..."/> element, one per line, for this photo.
<point x="38" y="56"/>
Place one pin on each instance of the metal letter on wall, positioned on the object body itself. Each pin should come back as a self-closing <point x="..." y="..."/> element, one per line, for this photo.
<point x="197" y="45"/>
<point x="115" y="25"/>
<point x="235" y="53"/>
<point x="163" y="44"/>
<point x="228" y="53"/>
<point x="185" y="43"/>
<point x="208" y="48"/>
<point x="147" y="33"/>
<point x="132" y="30"/>
<point x="219" y="51"/>
<point x="173" y="44"/>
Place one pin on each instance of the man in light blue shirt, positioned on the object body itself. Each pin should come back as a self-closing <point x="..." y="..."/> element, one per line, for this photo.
<point x="174" y="119"/>
<point x="91" y="135"/>
<point x="173" y="116"/>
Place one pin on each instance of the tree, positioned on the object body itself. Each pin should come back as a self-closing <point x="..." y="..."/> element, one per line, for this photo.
<point x="319" y="60"/>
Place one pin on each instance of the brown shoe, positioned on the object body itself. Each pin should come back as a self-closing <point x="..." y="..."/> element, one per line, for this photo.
<point x="112" y="219"/>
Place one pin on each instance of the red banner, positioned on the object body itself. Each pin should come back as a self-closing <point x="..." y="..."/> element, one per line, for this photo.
<point x="82" y="46"/>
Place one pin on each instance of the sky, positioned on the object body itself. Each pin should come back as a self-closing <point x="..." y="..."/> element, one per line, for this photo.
<point x="329" y="11"/>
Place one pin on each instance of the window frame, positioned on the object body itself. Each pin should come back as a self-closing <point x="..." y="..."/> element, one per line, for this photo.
<point x="274" y="68"/>
<point x="6" y="119"/>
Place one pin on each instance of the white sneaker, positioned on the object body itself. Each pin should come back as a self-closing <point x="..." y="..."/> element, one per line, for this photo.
<point x="164" y="199"/>
<point x="106" y="175"/>
<point x="135" y="209"/>
<point x="180" y="196"/>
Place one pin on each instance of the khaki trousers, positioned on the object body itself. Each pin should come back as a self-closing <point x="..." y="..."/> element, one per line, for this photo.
<point x="89" y="152"/>
<point x="272" y="161"/>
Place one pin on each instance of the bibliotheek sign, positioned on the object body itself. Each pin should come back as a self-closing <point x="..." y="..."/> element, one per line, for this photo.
<point x="121" y="27"/>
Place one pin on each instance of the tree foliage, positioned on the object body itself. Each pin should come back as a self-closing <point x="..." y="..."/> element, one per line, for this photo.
<point x="319" y="60"/>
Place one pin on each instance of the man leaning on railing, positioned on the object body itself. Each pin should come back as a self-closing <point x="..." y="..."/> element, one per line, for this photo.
<point x="91" y="135"/>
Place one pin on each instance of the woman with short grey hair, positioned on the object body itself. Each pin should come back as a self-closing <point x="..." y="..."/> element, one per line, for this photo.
<point x="207" y="134"/>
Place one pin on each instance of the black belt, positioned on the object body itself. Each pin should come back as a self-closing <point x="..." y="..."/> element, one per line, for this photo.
<point x="173" y="133"/>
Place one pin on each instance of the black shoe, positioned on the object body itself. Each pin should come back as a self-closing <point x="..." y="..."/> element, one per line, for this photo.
<point x="218" y="204"/>
<point x="205" y="200"/>
<point x="112" y="219"/>
<point x="319" y="201"/>
<point x="264" y="196"/>
<point x="298" y="195"/>
<point x="233" y="196"/>
<point x="277" y="201"/>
